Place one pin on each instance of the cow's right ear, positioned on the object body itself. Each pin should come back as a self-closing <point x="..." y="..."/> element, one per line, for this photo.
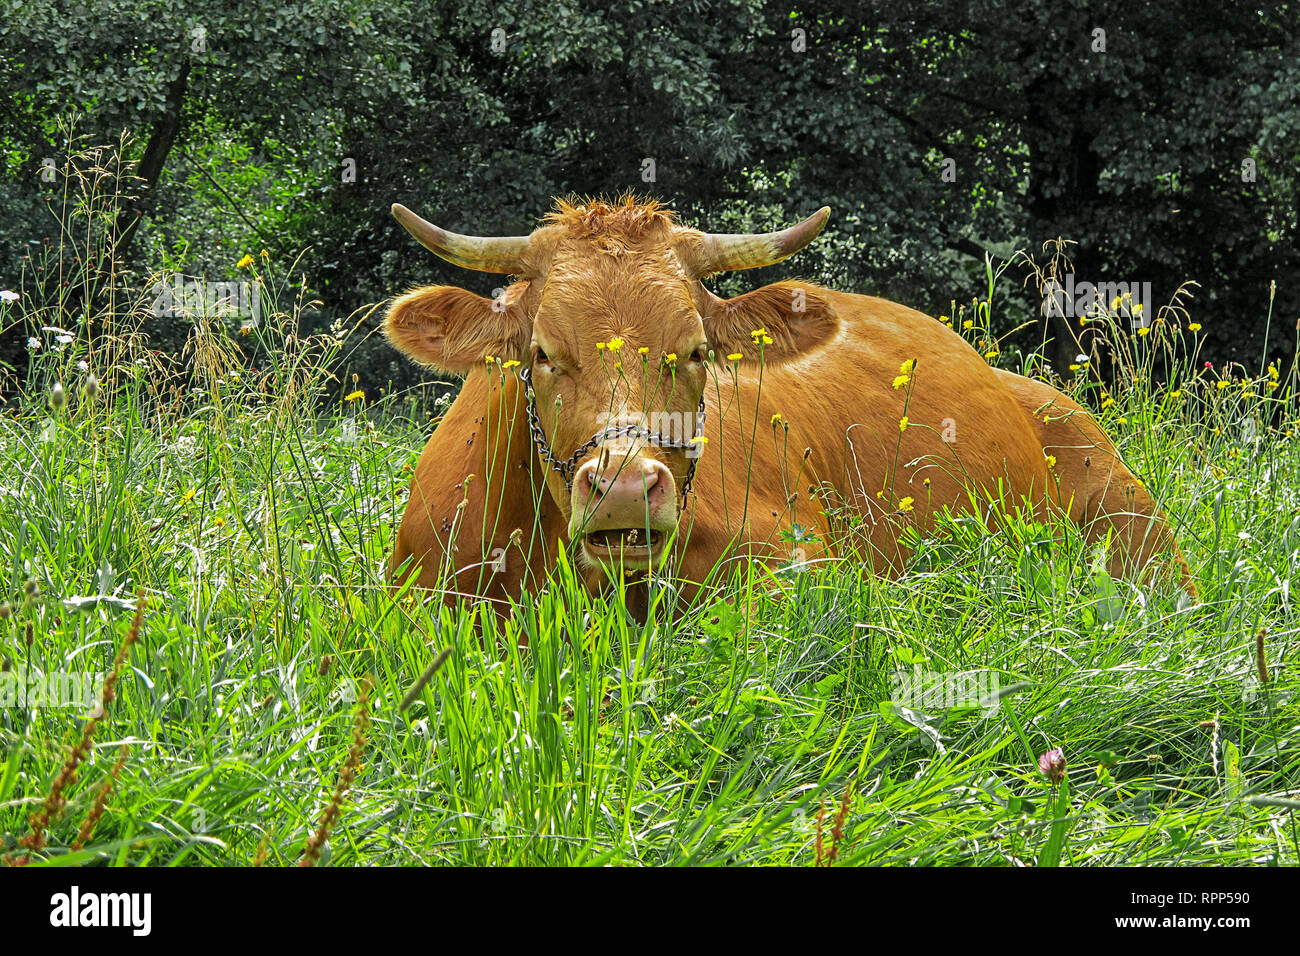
<point x="795" y="318"/>
<point x="452" y="329"/>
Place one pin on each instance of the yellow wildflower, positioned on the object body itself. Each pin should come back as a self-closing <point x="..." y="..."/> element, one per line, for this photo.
<point x="903" y="423"/>
<point x="189" y="495"/>
<point x="615" y="344"/>
<point x="900" y="382"/>
<point x="245" y="262"/>
<point x="264" y="254"/>
<point x="776" y="418"/>
<point x="643" y="350"/>
<point x="757" y="334"/>
<point x="1221" y="384"/>
<point x="905" y="504"/>
<point x="908" y="367"/>
<point x="1195" y="326"/>
<point x="511" y="364"/>
<point x="671" y="357"/>
<point x="600" y="346"/>
<point x="700" y="440"/>
<point x="968" y="324"/>
<point x="1051" y="461"/>
<point x="735" y="357"/>
<point x="354" y="396"/>
<point x="1145" y="330"/>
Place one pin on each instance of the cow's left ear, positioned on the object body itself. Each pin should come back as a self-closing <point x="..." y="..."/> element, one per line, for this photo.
<point x="796" y="316"/>
<point x="453" y="329"/>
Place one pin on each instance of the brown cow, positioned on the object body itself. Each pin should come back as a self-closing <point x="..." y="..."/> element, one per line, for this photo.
<point x="830" y="421"/>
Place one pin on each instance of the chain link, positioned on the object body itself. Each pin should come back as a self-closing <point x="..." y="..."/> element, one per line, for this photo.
<point x="568" y="469"/>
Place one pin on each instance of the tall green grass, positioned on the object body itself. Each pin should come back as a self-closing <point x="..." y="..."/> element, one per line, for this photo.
<point x="255" y="514"/>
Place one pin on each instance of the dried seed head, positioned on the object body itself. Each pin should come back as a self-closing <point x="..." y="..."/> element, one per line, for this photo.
<point x="91" y="388"/>
<point x="58" y="398"/>
<point x="1261" y="662"/>
<point x="6" y="610"/>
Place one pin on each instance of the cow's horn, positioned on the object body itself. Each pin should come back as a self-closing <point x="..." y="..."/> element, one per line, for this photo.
<point x="720" y="252"/>
<point x="503" y="254"/>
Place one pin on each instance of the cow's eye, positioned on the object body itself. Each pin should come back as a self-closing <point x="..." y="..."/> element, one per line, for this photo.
<point x="701" y="354"/>
<point x="541" y="360"/>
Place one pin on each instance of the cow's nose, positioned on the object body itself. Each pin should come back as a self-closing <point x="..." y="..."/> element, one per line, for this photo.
<point x="638" y="476"/>
<point x="621" y="492"/>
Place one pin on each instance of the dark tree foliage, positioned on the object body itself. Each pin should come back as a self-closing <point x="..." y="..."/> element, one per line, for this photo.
<point x="1161" y="138"/>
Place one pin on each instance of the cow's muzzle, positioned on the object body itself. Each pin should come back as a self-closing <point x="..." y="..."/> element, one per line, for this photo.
<point x="624" y="509"/>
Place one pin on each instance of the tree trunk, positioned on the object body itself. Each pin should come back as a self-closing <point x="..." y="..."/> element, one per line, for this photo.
<point x="1064" y="190"/>
<point x="151" y="165"/>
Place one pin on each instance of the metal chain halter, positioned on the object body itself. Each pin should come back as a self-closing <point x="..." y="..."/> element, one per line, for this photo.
<point x="568" y="469"/>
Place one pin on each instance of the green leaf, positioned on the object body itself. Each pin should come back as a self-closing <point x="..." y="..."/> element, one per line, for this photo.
<point x="1232" y="770"/>
<point x="1060" y="812"/>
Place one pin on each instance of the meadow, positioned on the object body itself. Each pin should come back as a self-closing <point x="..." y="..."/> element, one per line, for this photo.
<point x="208" y="534"/>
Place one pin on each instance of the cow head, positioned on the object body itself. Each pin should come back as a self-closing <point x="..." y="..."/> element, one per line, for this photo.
<point x="613" y="331"/>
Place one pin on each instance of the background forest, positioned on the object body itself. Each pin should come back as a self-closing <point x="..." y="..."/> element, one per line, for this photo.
<point x="934" y="133"/>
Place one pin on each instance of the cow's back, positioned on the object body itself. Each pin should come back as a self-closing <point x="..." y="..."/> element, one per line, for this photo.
<point x="847" y="462"/>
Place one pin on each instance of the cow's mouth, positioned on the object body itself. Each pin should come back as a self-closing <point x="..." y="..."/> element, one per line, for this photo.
<point x="628" y="544"/>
